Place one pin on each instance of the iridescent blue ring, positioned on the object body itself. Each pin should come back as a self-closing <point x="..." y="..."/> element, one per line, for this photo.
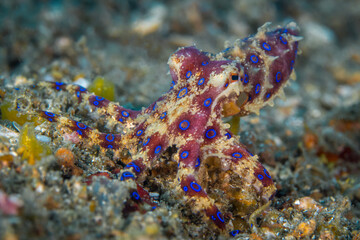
<point x="136" y="167"/>
<point x="59" y="83"/>
<point x="234" y="233"/>
<point x="204" y="63"/>
<point x="195" y="186"/>
<point x="139" y="132"/>
<point x="218" y="214"/>
<point x="197" y="162"/>
<point x="257" y="88"/>
<point x="246" y="78"/>
<point x="96" y="103"/>
<point x="228" y="135"/>
<point x="184" y="154"/>
<point x="99" y="98"/>
<point x="126" y="175"/>
<point x="236" y="155"/>
<point x="207" y="102"/>
<point x="135" y="195"/>
<point x="107" y="137"/>
<point x="147" y="141"/>
<point x="110" y="146"/>
<point x="278" y="77"/>
<point x="182" y="123"/>
<point x="157" y="149"/>
<point x="268" y="95"/>
<point x="292" y="64"/>
<point x="49" y="114"/>
<point x="201" y="81"/>
<point x="185" y="188"/>
<point x="188" y="74"/>
<point x="210" y="131"/>
<point x="182" y="92"/>
<point x="283" y="40"/>
<point x="266" y="46"/>
<point x="267" y="173"/>
<point x="260" y="177"/>
<point x="79" y="126"/>
<point x="78" y="131"/>
<point x="254" y="58"/>
<point x="125" y="114"/>
<point x="77" y="93"/>
<point x="163" y="115"/>
<point x="82" y="89"/>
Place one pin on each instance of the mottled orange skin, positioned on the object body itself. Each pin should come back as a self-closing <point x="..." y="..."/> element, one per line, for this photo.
<point x="216" y="174"/>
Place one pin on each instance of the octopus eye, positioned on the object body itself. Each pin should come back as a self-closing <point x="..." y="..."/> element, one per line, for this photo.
<point x="235" y="77"/>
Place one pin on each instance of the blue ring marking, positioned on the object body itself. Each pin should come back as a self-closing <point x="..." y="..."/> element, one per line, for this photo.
<point x="218" y="214"/>
<point x="184" y="127"/>
<point x="184" y="154"/>
<point x="201" y="81"/>
<point x="99" y="98"/>
<point x="204" y="63"/>
<point x="157" y="149"/>
<point x="59" y="83"/>
<point x="163" y="115"/>
<point x="254" y="58"/>
<point x="126" y="175"/>
<point x="78" y="131"/>
<point x="260" y="177"/>
<point x="96" y="103"/>
<point x="226" y="85"/>
<point x="266" y="46"/>
<point x="213" y="218"/>
<point x="278" y="77"/>
<point x="77" y="124"/>
<point x="125" y="114"/>
<point x="207" y="134"/>
<point x="228" y="135"/>
<point x="147" y="141"/>
<point x="188" y="74"/>
<point x="257" y="88"/>
<point x="17" y="89"/>
<point x="197" y="162"/>
<point x="234" y="233"/>
<point x="207" y="102"/>
<point x="154" y="107"/>
<point x="135" y="195"/>
<point x="267" y="173"/>
<point x="236" y="155"/>
<point x="268" y="95"/>
<point x="82" y="89"/>
<point x="246" y="78"/>
<point x="181" y="92"/>
<point x="50" y="119"/>
<point x="185" y="189"/>
<point x="283" y="40"/>
<point x="136" y="167"/>
<point x="121" y="120"/>
<point x="139" y="132"/>
<point x="107" y="137"/>
<point x="110" y="146"/>
<point x="292" y="64"/>
<point x="49" y="114"/>
<point x="78" y="94"/>
<point x="196" y="188"/>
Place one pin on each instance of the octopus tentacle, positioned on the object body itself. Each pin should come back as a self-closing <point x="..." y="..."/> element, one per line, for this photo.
<point x="101" y="106"/>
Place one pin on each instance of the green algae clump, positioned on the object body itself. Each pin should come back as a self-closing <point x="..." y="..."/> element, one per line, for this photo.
<point x="30" y="148"/>
<point x="7" y="113"/>
<point x="103" y="88"/>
